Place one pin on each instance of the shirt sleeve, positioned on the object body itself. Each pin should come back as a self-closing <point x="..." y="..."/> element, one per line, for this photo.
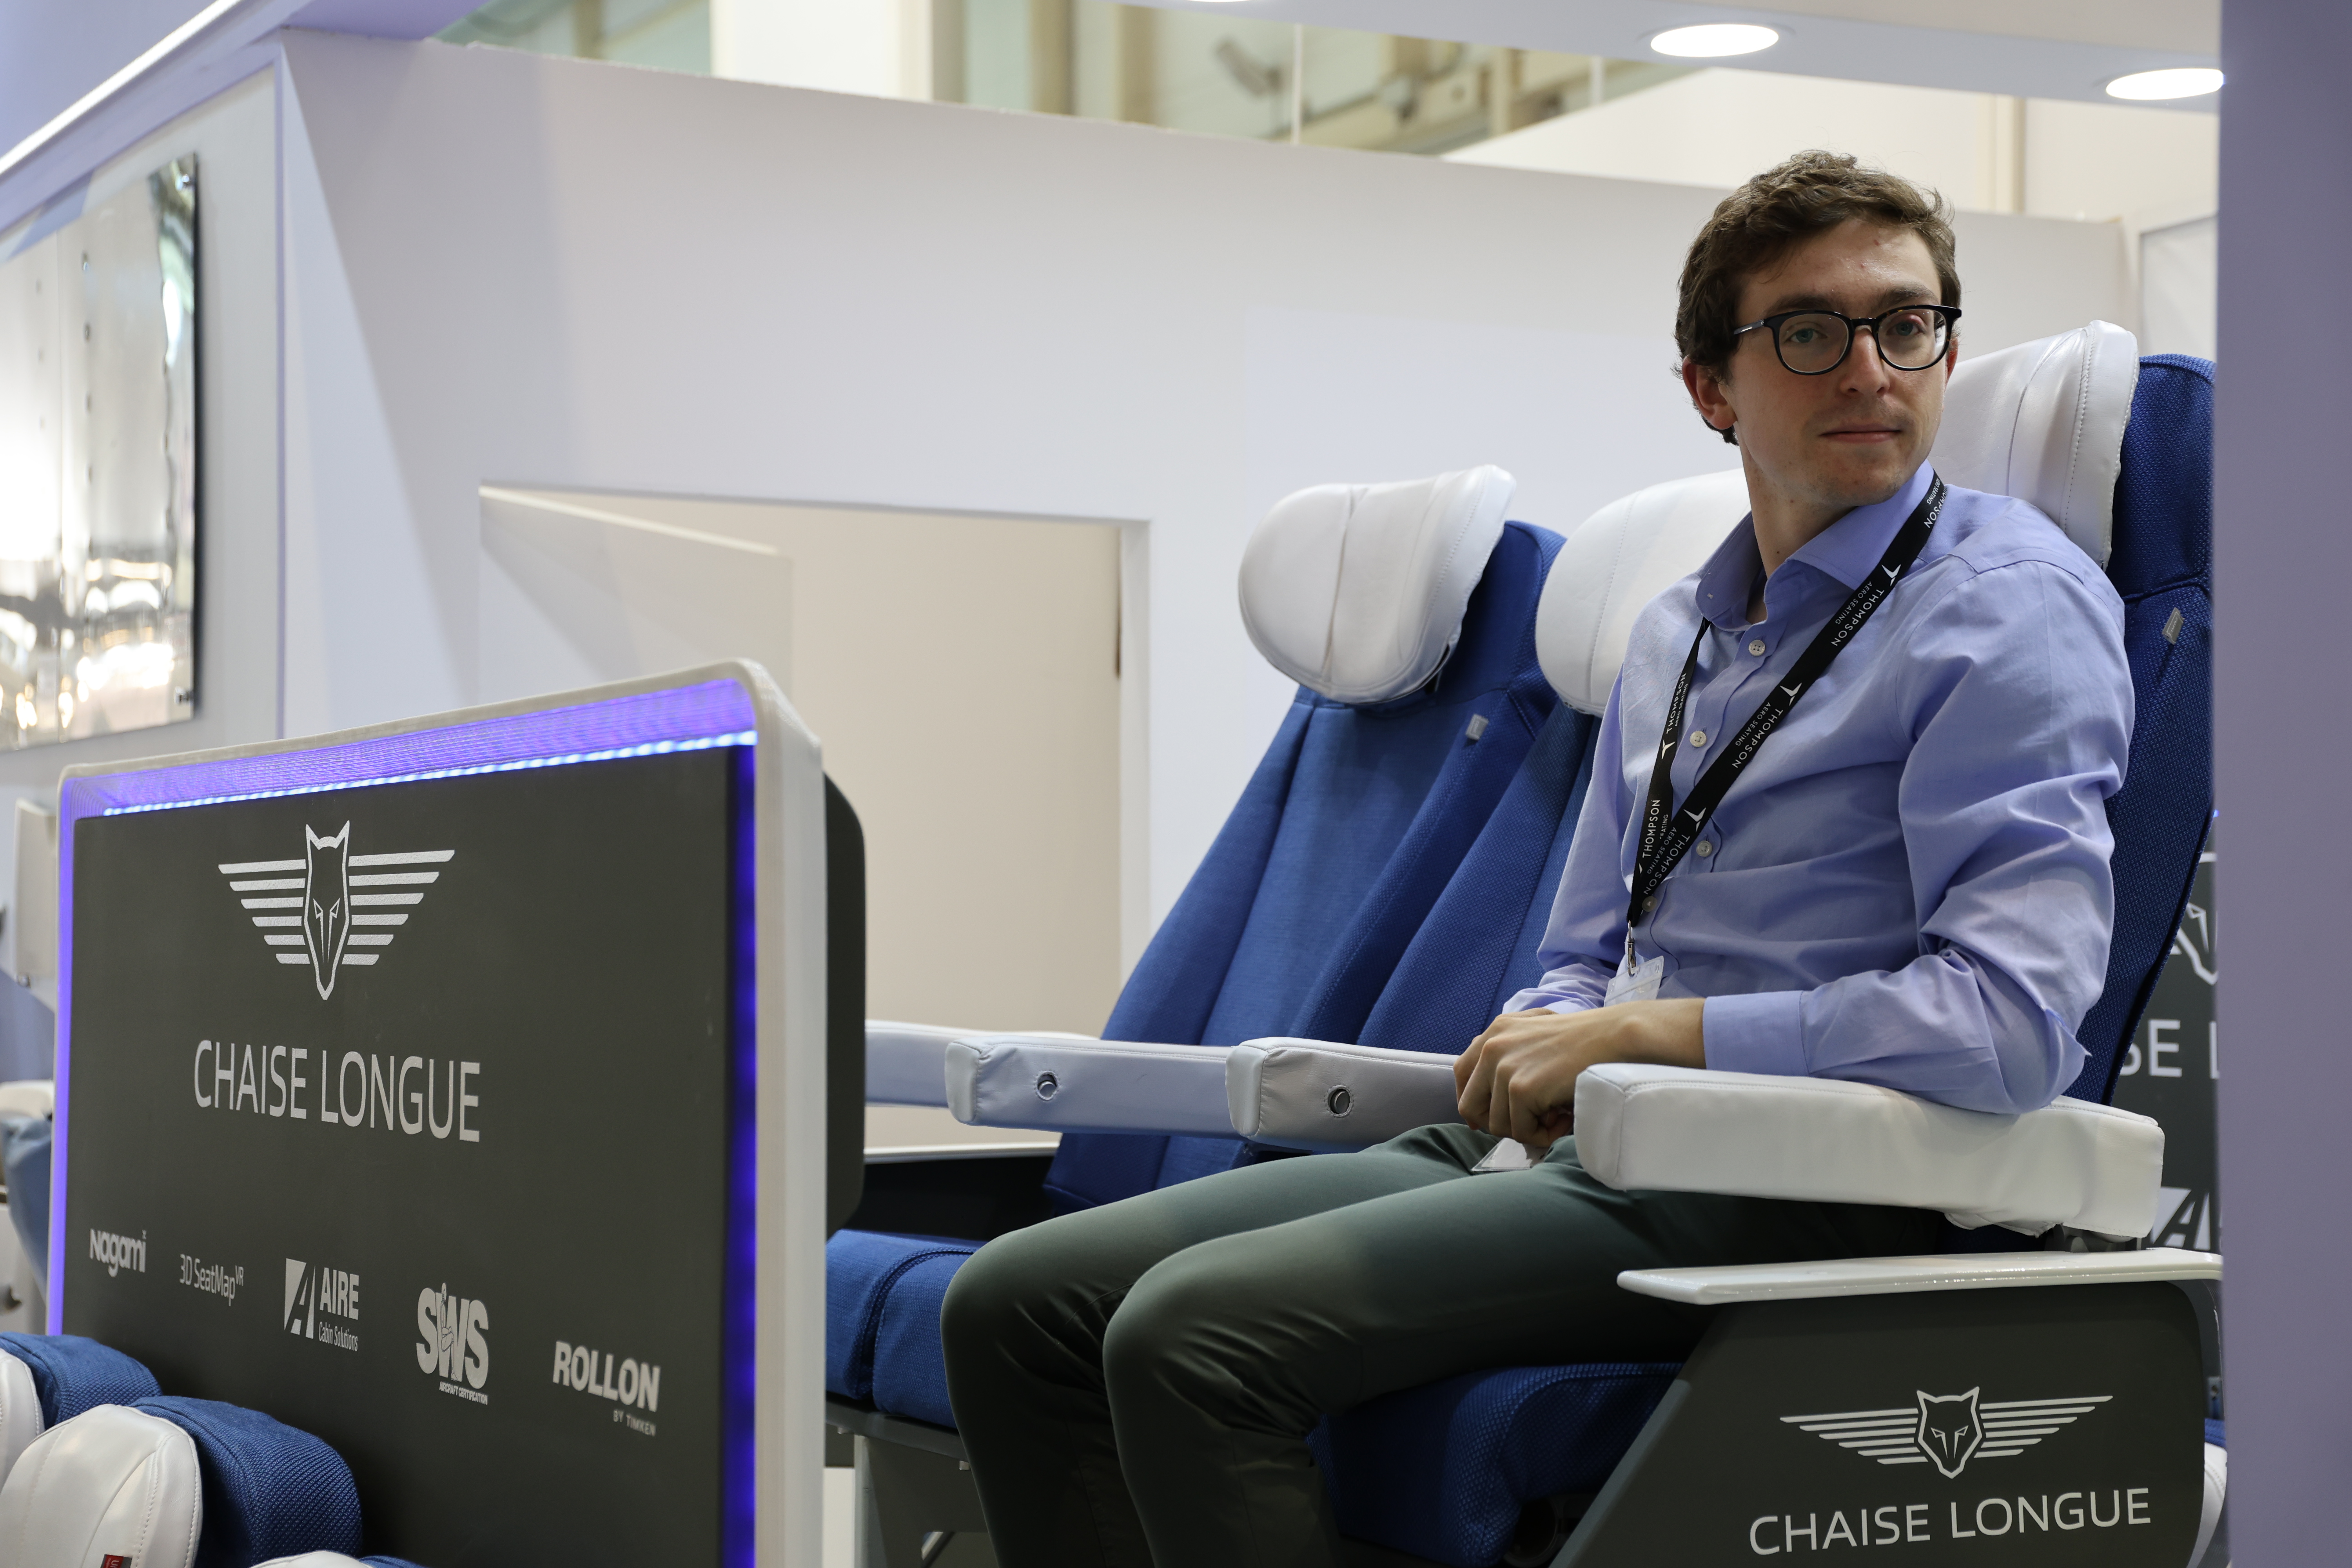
<point x="2021" y="704"/>
<point x="1586" y="934"/>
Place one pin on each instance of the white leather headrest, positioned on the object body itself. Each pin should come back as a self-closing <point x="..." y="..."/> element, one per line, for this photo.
<point x="2044" y="422"/>
<point x="1625" y="555"/>
<point x="20" y="1411"/>
<point x="1357" y="591"/>
<point x="29" y="1097"/>
<point x="112" y="1481"/>
<point x="313" y="1560"/>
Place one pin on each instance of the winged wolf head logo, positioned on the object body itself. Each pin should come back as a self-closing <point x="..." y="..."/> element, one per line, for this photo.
<point x="1950" y="1431"/>
<point x="1947" y="1430"/>
<point x="333" y="909"/>
<point x="326" y="903"/>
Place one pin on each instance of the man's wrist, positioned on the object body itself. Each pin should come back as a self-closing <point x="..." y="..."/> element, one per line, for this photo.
<point x="1672" y="1034"/>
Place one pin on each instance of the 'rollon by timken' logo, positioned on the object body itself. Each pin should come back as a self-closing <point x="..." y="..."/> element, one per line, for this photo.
<point x="331" y="907"/>
<point x="1947" y="1430"/>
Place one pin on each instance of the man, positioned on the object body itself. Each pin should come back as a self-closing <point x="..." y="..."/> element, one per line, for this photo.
<point x="1847" y="818"/>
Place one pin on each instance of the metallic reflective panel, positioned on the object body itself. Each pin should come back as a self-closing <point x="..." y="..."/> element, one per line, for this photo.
<point x="98" y="468"/>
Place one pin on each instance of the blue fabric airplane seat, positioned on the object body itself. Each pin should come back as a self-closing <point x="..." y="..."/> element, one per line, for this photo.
<point x="1492" y="1468"/>
<point x="1406" y="612"/>
<point x="46" y="1379"/>
<point x="269" y="1490"/>
<point x="176" y="1481"/>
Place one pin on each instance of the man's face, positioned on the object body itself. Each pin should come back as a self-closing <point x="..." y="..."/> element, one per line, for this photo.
<point x="1851" y="436"/>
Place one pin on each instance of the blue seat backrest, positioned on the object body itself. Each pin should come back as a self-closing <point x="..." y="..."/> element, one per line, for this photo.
<point x="1347" y="832"/>
<point x="269" y="1490"/>
<point x="72" y="1375"/>
<point x="2162" y="564"/>
<point x="1478" y="946"/>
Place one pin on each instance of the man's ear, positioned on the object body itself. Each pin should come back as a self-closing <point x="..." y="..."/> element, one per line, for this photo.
<point x="1708" y="396"/>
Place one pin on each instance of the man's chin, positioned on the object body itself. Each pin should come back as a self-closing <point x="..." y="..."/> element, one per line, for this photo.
<point x="1867" y="483"/>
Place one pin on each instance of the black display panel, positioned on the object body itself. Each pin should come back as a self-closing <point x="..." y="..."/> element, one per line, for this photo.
<point x="406" y="1114"/>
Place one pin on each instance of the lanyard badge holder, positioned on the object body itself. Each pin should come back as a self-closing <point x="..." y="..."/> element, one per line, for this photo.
<point x="1667" y="831"/>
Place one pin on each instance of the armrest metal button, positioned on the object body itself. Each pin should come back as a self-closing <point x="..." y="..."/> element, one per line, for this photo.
<point x="1338" y="1101"/>
<point x="1048" y="1086"/>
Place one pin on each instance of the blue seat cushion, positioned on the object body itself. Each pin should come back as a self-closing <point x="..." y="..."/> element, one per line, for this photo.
<point x="72" y="1375"/>
<point x="1443" y="1472"/>
<point x="862" y="1270"/>
<point x="910" y="1369"/>
<point x="269" y="1490"/>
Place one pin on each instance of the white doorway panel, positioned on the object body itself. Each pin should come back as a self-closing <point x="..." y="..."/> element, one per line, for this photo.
<point x="961" y="672"/>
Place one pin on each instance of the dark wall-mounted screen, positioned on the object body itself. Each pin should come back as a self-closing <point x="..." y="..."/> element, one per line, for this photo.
<point x="406" y="1113"/>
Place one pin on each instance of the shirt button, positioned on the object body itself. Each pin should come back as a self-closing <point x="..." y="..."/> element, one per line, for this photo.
<point x="1705" y="848"/>
<point x="1699" y="738"/>
<point x="1757" y="648"/>
<point x="1650" y="903"/>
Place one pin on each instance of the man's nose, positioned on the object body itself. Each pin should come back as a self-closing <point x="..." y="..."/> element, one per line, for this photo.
<point x="1866" y="369"/>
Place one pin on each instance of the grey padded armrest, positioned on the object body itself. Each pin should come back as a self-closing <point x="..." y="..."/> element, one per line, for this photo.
<point x="905" y="1064"/>
<point x="1068" y="1084"/>
<point x="1319" y="1094"/>
<point x="1818" y="1139"/>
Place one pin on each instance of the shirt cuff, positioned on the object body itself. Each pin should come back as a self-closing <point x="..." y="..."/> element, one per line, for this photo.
<point x="1758" y="1031"/>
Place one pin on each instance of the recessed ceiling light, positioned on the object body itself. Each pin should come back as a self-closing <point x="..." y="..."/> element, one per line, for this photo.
<point x="1712" y="40"/>
<point x="2186" y="81"/>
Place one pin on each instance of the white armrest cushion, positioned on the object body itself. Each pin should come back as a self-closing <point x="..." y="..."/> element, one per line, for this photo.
<point x="1823" y="1141"/>
<point x="112" y="1481"/>
<point x="1067" y="1084"/>
<point x="905" y="1064"/>
<point x="1318" y="1094"/>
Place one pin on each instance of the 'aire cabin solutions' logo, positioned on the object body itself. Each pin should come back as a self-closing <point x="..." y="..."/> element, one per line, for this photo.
<point x="322" y="1304"/>
<point x="331" y="907"/>
<point x="453" y="1343"/>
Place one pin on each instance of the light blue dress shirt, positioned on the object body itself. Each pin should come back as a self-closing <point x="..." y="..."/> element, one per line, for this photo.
<point x="1909" y="885"/>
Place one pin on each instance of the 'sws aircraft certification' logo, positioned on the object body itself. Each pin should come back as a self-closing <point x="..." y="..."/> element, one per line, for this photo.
<point x="453" y="1343"/>
<point x="1947" y="1430"/>
<point x="331" y="907"/>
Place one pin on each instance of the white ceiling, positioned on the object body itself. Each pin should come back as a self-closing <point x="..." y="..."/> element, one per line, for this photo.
<point x="2034" y="49"/>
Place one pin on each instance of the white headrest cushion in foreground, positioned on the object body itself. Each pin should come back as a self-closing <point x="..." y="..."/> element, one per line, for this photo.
<point x="2044" y="422"/>
<point x="1820" y="1139"/>
<point x="1357" y="591"/>
<point x="20" y="1411"/>
<point x="313" y="1560"/>
<point x="29" y="1097"/>
<point x="112" y="1481"/>
<point x="1623" y="557"/>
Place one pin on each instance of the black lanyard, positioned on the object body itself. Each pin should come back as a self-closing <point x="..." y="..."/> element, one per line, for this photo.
<point x="1667" y="833"/>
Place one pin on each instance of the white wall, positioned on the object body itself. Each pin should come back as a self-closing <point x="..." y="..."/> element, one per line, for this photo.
<point x="512" y="269"/>
<point x="234" y="139"/>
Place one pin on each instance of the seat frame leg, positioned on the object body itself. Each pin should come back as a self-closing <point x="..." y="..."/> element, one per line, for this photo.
<point x="906" y="1497"/>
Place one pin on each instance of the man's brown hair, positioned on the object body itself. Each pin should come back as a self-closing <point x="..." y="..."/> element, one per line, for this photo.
<point x="1758" y="224"/>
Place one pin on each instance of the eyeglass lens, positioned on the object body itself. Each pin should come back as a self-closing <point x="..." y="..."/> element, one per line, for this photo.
<point x="1815" y="342"/>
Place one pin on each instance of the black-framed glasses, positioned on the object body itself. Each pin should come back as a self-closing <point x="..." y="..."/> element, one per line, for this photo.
<point x="1815" y="342"/>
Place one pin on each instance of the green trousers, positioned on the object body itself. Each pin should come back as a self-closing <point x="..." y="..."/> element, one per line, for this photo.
<point x="1135" y="1384"/>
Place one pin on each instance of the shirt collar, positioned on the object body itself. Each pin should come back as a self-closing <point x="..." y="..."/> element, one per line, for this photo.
<point x="1847" y="549"/>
